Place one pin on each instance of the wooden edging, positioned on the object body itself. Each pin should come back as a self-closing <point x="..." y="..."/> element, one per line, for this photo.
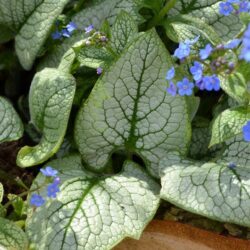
<point x="168" y="235"/>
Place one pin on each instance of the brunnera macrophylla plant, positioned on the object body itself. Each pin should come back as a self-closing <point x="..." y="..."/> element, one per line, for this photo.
<point x="119" y="109"/>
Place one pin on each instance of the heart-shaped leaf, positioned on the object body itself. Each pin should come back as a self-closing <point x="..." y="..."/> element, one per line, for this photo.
<point x="11" y="127"/>
<point x="31" y="21"/>
<point x="94" y="212"/>
<point x="130" y="109"/>
<point x="11" y="236"/>
<point x="211" y="189"/>
<point x="228" y="124"/>
<point x="50" y="99"/>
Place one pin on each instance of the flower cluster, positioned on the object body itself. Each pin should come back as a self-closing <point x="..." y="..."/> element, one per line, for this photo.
<point x="94" y="38"/>
<point x="202" y="81"/>
<point x="68" y="30"/>
<point x="65" y="32"/>
<point x="52" y="188"/>
<point x="234" y="6"/>
<point x="208" y="65"/>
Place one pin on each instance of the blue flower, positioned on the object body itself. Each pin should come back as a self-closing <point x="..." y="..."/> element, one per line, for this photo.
<point x="211" y="83"/>
<point x="52" y="190"/>
<point x="226" y="8"/>
<point x="89" y="28"/>
<point x="244" y="6"/>
<point x="245" y="52"/>
<point x="66" y="33"/>
<point x="205" y="53"/>
<point x="57" y="180"/>
<point x="246" y="132"/>
<point x="182" y="51"/>
<point x="49" y="171"/>
<point x="246" y="37"/>
<point x="71" y="27"/>
<point x="36" y="200"/>
<point x="172" y="89"/>
<point x="234" y="1"/>
<point x="185" y="87"/>
<point x="200" y="84"/>
<point x="170" y="74"/>
<point x="56" y="35"/>
<point x="231" y="165"/>
<point x="233" y="44"/>
<point x="99" y="71"/>
<point x="197" y="71"/>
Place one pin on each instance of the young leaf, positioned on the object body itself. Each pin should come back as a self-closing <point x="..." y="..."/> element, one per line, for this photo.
<point x="235" y="86"/>
<point x="11" y="236"/>
<point x="208" y="11"/>
<point x="94" y="14"/>
<point x="130" y="109"/>
<point x="183" y="27"/>
<point x="211" y="189"/>
<point x="94" y="57"/>
<point x="229" y="124"/>
<point x="11" y="127"/>
<point x="95" y="213"/>
<point x="31" y="21"/>
<point x="123" y="31"/>
<point x="50" y="99"/>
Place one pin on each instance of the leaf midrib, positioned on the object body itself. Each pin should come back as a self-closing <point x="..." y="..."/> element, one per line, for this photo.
<point x="92" y="184"/>
<point x="132" y="138"/>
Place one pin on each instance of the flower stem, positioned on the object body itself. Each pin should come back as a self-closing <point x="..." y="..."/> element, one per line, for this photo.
<point x="23" y="194"/>
<point x="157" y="19"/>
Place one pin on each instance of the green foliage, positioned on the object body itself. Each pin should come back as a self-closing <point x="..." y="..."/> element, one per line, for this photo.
<point x="182" y="27"/>
<point x="145" y="116"/>
<point x="11" y="127"/>
<point x="235" y="86"/>
<point x="96" y="13"/>
<point x="11" y="236"/>
<point x="31" y="21"/>
<point x="227" y="27"/>
<point x="93" y="212"/>
<point x="123" y="31"/>
<point x="228" y="124"/>
<point x="50" y="100"/>
<point x="210" y="189"/>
